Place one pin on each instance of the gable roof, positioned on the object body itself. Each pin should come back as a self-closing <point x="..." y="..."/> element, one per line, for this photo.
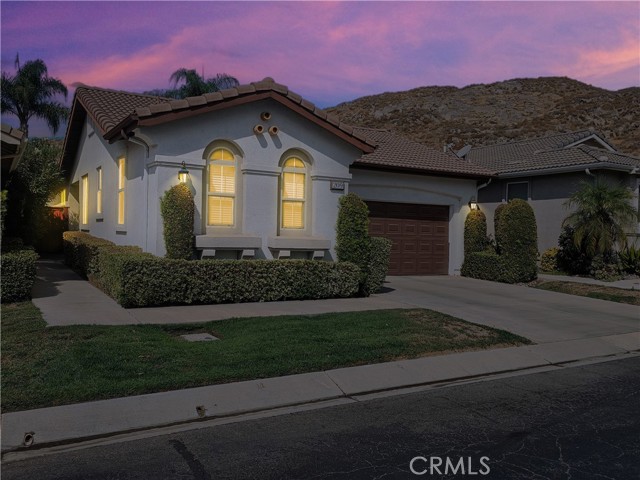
<point x="565" y="151"/>
<point x="117" y="113"/>
<point x="394" y="152"/>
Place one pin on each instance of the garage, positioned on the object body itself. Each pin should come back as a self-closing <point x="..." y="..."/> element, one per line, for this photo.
<point x="420" y="236"/>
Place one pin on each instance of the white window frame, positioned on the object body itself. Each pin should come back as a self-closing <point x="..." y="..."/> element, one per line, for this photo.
<point x="302" y="200"/>
<point x="99" y="192"/>
<point x="122" y="184"/>
<point x="84" y="217"/>
<point x="211" y="194"/>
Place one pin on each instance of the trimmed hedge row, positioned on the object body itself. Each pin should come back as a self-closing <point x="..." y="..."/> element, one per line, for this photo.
<point x="143" y="280"/>
<point x="82" y="252"/>
<point x="178" y="211"/>
<point x="378" y="263"/>
<point x="489" y="265"/>
<point x="18" y="275"/>
<point x="475" y="231"/>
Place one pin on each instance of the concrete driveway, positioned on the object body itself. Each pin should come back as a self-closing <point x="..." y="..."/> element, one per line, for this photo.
<point x="539" y="315"/>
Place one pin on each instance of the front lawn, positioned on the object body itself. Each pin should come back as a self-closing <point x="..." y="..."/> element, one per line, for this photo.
<point x="601" y="292"/>
<point x="44" y="367"/>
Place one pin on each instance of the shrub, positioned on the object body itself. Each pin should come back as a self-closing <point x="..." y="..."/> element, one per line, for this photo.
<point x="475" y="232"/>
<point x="82" y="252"/>
<point x="178" y="209"/>
<point x="378" y="263"/>
<point x="3" y="210"/>
<point x="630" y="259"/>
<point x="353" y="243"/>
<point x="607" y="268"/>
<point x="491" y="266"/>
<point x="572" y="259"/>
<point x="144" y="280"/>
<point x="496" y="220"/>
<point x="54" y="223"/>
<point x="18" y="275"/>
<point x="549" y="260"/>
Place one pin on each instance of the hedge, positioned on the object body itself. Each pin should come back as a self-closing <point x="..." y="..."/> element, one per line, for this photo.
<point x="142" y="280"/>
<point x="378" y="263"/>
<point x="353" y="243"/>
<point x="178" y="212"/>
<point x="82" y="252"/>
<point x="475" y="232"/>
<point x="18" y="275"/>
<point x="491" y="266"/>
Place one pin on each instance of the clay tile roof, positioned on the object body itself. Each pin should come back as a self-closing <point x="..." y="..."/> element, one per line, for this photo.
<point x="108" y="107"/>
<point x="394" y="151"/>
<point x="553" y="151"/>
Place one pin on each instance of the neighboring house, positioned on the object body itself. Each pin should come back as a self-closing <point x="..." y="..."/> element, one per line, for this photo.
<point x="546" y="171"/>
<point x="267" y="169"/>
<point x="13" y="143"/>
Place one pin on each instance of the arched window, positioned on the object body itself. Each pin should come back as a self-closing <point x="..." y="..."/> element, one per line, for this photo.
<point x="221" y="191"/>
<point x="293" y="193"/>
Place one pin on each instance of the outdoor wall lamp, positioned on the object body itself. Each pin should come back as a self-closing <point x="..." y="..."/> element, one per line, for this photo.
<point x="183" y="173"/>
<point x="473" y="204"/>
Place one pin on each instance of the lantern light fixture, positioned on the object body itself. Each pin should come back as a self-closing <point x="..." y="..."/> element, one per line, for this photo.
<point x="183" y="173"/>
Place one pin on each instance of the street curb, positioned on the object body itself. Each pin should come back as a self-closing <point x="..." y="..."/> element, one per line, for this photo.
<point x="44" y="427"/>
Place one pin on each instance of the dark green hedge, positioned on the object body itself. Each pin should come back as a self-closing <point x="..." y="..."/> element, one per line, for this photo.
<point x="378" y="263"/>
<point x="18" y="275"/>
<point x="353" y="243"/>
<point x="82" y="252"/>
<point x="178" y="211"/>
<point x="143" y="281"/>
<point x="497" y="268"/>
<point x="475" y="232"/>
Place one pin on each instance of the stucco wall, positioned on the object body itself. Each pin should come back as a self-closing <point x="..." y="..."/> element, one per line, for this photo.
<point x="404" y="188"/>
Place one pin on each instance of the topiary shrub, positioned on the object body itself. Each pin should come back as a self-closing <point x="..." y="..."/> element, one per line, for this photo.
<point x="518" y="235"/>
<point x="475" y="232"/>
<point x="549" y="260"/>
<point x="378" y="263"/>
<point x="18" y="275"/>
<point x="496" y="219"/>
<point x="491" y="266"/>
<point x="178" y="211"/>
<point x="353" y="243"/>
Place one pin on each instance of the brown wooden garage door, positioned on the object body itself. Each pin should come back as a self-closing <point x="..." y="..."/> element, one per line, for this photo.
<point x="420" y="236"/>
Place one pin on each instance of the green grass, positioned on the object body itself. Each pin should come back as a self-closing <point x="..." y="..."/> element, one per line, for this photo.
<point x="60" y="365"/>
<point x="601" y="292"/>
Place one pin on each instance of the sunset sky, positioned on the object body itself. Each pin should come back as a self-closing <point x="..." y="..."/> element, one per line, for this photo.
<point x="329" y="52"/>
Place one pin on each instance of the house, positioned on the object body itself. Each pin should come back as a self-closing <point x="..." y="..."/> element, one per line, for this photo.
<point x="267" y="169"/>
<point x="547" y="171"/>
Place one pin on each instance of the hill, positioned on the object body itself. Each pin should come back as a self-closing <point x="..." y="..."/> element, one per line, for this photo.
<point x="486" y="114"/>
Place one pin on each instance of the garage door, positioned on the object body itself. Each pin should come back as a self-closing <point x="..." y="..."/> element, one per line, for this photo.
<point x="420" y="236"/>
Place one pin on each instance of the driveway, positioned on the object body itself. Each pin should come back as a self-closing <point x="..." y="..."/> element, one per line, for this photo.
<point x="539" y="315"/>
<point x="542" y="316"/>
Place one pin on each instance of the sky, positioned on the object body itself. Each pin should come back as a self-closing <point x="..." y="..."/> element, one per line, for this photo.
<point x="328" y="52"/>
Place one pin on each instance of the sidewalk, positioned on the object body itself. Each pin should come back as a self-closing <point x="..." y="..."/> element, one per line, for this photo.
<point x="83" y="421"/>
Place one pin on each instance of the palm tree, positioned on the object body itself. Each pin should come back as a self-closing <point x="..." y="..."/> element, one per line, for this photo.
<point x="193" y="84"/>
<point x="30" y="93"/>
<point x="602" y="213"/>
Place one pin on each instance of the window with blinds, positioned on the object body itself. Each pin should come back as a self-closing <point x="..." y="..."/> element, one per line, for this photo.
<point x="99" y="192"/>
<point x="85" y="199"/>
<point x="293" y="193"/>
<point x="122" y="180"/>
<point x="221" y="189"/>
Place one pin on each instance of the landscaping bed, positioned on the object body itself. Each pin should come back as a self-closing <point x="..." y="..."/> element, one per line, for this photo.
<point x="44" y="367"/>
<point x="601" y="292"/>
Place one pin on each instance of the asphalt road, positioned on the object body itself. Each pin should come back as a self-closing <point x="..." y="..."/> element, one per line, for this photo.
<point x="573" y="423"/>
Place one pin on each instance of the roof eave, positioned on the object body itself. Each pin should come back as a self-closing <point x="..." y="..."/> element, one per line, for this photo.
<point x="569" y="169"/>
<point x="421" y="171"/>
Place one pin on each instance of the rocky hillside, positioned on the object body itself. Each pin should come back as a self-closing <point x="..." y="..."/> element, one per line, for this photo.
<point x="501" y="112"/>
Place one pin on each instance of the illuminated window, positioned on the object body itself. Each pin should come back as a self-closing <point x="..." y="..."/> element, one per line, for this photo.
<point x="85" y="199"/>
<point x="221" y="191"/>
<point x="63" y="197"/>
<point x="122" y="180"/>
<point x="99" y="192"/>
<point x="293" y="193"/>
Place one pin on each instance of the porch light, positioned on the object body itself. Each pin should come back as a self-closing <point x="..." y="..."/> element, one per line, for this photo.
<point x="473" y="204"/>
<point x="183" y="173"/>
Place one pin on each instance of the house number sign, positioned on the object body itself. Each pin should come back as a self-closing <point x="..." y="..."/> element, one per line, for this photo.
<point x="335" y="185"/>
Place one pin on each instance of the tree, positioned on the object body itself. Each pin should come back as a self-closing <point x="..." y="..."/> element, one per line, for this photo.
<point x="602" y="213"/>
<point x="31" y="92"/>
<point x="193" y="84"/>
<point x="34" y="182"/>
